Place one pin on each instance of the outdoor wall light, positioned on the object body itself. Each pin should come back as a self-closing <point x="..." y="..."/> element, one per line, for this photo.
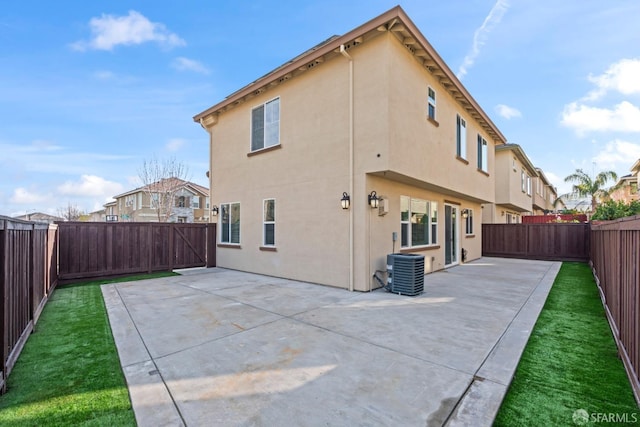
<point x="215" y="210"/>
<point x="345" y="201"/>
<point x="465" y="213"/>
<point x="373" y="200"/>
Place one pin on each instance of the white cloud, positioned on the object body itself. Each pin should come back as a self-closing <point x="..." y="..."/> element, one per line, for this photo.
<point x="175" y="144"/>
<point x="624" y="117"/>
<point x="618" y="156"/>
<point x="109" y="31"/>
<point x="621" y="76"/>
<point x="507" y="112"/>
<point x="90" y="186"/>
<point x="480" y="36"/>
<point x="22" y="196"/>
<point x="185" y="64"/>
<point x="104" y="75"/>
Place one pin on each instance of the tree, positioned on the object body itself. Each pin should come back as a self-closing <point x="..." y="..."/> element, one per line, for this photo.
<point x="162" y="180"/>
<point x="70" y="212"/>
<point x="613" y="210"/>
<point x="585" y="186"/>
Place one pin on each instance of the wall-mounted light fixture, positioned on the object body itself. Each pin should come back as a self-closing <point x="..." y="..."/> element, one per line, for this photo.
<point x="345" y="201"/>
<point x="215" y="210"/>
<point x="465" y="213"/>
<point x="373" y="200"/>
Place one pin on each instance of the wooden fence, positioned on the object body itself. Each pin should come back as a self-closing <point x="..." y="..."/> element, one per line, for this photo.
<point x="28" y="275"/>
<point x="615" y="259"/>
<point x="558" y="242"/>
<point x="102" y="249"/>
<point x="556" y="218"/>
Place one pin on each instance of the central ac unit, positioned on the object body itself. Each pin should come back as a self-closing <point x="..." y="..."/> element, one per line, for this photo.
<point x="405" y="274"/>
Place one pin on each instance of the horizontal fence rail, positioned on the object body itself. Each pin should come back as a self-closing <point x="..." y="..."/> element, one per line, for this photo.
<point x="615" y="260"/>
<point x="102" y="249"/>
<point x="555" y="242"/>
<point x="28" y="275"/>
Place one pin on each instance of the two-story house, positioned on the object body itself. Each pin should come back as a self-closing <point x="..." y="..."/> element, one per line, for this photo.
<point x="364" y="145"/>
<point x="189" y="203"/>
<point x="514" y="186"/>
<point x="544" y="194"/>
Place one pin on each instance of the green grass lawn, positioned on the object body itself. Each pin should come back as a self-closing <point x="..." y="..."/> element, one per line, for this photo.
<point x="570" y="362"/>
<point x="69" y="373"/>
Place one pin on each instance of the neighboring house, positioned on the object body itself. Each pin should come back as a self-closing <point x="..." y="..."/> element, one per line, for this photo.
<point x="96" y="216"/>
<point x="190" y="204"/>
<point x="544" y="194"/>
<point x="39" y="217"/>
<point x="626" y="189"/>
<point x="514" y="187"/>
<point x="373" y="117"/>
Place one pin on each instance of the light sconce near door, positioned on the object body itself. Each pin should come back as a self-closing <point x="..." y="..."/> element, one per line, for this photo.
<point x="465" y="213"/>
<point x="215" y="210"/>
<point x="373" y="200"/>
<point x="345" y="201"/>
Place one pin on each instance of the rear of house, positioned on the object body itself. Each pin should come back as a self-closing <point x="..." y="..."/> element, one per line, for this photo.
<point x="374" y="114"/>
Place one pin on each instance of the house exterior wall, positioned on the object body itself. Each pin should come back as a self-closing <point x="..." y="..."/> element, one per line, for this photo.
<point x="509" y="191"/>
<point x="396" y="152"/>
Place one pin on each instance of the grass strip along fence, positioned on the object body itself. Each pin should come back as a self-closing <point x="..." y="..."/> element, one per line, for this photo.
<point x="69" y="372"/>
<point x="570" y="372"/>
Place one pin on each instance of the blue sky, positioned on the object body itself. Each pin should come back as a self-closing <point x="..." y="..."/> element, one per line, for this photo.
<point x="88" y="90"/>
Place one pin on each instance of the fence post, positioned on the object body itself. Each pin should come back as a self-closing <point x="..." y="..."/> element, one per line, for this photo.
<point x="4" y="267"/>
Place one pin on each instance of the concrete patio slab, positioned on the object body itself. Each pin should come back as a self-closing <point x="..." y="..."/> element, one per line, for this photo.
<point x="222" y="347"/>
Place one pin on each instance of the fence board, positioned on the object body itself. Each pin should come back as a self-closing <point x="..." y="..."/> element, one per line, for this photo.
<point x="27" y="278"/>
<point x="615" y="260"/>
<point x="93" y="250"/>
<point x="557" y="242"/>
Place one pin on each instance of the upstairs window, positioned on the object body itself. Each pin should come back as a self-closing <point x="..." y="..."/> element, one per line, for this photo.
<point x="482" y="154"/>
<point x="461" y="137"/>
<point x="265" y="125"/>
<point x="195" y="202"/>
<point x="431" y="94"/>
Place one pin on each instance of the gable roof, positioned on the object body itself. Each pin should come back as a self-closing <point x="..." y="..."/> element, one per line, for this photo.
<point x="400" y="25"/>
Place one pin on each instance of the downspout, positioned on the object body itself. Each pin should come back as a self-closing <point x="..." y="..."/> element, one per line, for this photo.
<point x="344" y="53"/>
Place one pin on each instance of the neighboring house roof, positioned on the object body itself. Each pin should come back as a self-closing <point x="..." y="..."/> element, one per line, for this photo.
<point x="173" y="183"/>
<point x="39" y="217"/>
<point x="636" y="167"/>
<point x="394" y="20"/>
<point x="544" y="179"/>
<point x="520" y="155"/>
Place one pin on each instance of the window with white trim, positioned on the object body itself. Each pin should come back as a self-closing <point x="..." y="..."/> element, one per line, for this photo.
<point x="461" y="137"/>
<point x="483" y="162"/>
<point x="469" y="222"/>
<point x="528" y="185"/>
<point x="431" y="101"/>
<point x="418" y="222"/>
<point x="523" y="181"/>
<point x="230" y="223"/>
<point x="265" y="125"/>
<point x="195" y="202"/>
<point x="269" y="222"/>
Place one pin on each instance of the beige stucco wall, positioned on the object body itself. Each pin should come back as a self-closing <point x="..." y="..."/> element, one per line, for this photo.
<point x="509" y="182"/>
<point x="397" y="151"/>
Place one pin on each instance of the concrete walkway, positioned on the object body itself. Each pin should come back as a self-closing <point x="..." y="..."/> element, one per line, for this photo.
<point x="222" y="347"/>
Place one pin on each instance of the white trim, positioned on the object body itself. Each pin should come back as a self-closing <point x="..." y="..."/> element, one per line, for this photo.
<point x="265" y="222"/>
<point x="221" y="221"/>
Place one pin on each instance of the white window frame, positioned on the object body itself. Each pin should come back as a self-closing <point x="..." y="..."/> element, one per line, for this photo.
<point x="226" y="209"/>
<point x="523" y="181"/>
<point x="528" y="184"/>
<point x="432" y="222"/>
<point x="195" y="202"/>
<point x="431" y="103"/>
<point x="483" y="153"/>
<point x="461" y="137"/>
<point x="268" y="124"/>
<point x="468" y="228"/>
<point x="266" y="222"/>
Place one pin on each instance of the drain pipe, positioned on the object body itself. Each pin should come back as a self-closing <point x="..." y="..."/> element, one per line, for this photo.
<point x="344" y="53"/>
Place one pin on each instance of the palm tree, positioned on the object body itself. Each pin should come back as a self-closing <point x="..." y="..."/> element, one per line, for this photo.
<point x="585" y="186"/>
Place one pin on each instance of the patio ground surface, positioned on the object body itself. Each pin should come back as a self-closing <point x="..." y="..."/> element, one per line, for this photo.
<point x="223" y="347"/>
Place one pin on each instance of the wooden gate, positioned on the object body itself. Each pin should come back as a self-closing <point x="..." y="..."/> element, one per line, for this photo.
<point x="99" y="249"/>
